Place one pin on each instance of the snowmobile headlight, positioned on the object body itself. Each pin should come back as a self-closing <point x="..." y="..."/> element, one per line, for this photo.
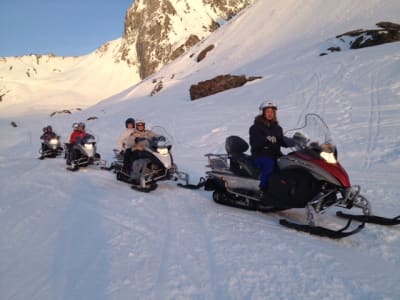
<point x="89" y="146"/>
<point x="163" y="151"/>
<point x="329" y="157"/>
<point x="53" y="142"/>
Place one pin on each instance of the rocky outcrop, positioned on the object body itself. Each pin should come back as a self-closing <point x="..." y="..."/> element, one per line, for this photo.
<point x="204" y="52"/>
<point x="64" y="111"/>
<point x="158" y="31"/>
<point x="218" y="84"/>
<point x="388" y="33"/>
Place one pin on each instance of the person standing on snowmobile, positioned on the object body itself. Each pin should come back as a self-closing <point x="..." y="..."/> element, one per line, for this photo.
<point x="123" y="139"/>
<point x="47" y="135"/>
<point x="266" y="139"/>
<point x="138" y="140"/>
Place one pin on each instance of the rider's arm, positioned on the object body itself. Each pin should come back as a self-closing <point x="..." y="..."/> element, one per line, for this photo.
<point x="122" y="141"/>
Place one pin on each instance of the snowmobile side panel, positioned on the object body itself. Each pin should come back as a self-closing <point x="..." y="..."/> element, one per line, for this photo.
<point x="291" y="161"/>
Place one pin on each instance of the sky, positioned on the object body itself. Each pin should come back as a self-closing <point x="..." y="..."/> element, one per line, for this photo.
<point x="62" y="27"/>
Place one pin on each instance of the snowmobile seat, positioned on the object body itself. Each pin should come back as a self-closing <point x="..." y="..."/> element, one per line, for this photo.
<point x="243" y="165"/>
<point x="240" y="163"/>
<point x="235" y="145"/>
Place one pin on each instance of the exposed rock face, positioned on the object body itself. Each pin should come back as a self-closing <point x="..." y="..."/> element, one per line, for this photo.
<point x="158" y="31"/>
<point x="218" y="84"/>
<point x="356" y="39"/>
<point x="203" y="53"/>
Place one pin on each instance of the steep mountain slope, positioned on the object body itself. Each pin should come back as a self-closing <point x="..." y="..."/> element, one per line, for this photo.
<point x="85" y="235"/>
<point x="156" y="32"/>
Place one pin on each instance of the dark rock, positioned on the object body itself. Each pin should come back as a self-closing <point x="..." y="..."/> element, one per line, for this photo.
<point x="334" y="49"/>
<point x="13" y="124"/>
<point x="192" y="40"/>
<point x="389" y="33"/>
<point x="64" y="111"/>
<point x="204" y="52"/>
<point x="323" y="54"/>
<point x="388" y="26"/>
<point x="218" y="84"/>
<point x="351" y="33"/>
<point x="91" y="118"/>
<point x="158" y="87"/>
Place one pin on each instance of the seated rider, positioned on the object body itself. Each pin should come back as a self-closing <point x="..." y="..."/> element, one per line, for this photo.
<point x="47" y="135"/>
<point x="138" y="140"/>
<point x="77" y="134"/>
<point x="266" y="140"/>
<point x="123" y="139"/>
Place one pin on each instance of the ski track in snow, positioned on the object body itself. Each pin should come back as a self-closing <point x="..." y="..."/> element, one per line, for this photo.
<point x="374" y="121"/>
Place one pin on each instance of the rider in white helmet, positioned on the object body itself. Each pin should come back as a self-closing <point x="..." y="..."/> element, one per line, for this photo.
<point x="138" y="141"/>
<point x="266" y="139"/>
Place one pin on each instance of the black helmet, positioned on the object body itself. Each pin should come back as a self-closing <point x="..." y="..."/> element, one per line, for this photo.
<point x="130" y="121"/>
<point x="81" y="124"/>
<point x="49" y="128"/>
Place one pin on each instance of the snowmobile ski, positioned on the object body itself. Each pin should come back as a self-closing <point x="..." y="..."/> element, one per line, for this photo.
<point x="112" y="167"/>
<point x="322" y="231"/>
<point x="151" y="187"/>
<point x="72" y="169"/>
<point x="201" y="183"/>
<point x="370" y="219"/>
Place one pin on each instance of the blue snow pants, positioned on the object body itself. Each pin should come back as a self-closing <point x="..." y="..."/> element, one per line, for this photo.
<point x="267" y="165"/>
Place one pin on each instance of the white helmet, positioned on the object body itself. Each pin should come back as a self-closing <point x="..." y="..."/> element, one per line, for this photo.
<point x="139" y="123"/>
<point x="75" y="126"/>
<point x="267" y="104"/>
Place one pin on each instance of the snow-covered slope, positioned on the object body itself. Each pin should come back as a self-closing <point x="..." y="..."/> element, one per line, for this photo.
<point x="46" y="83"/>
<point x="156" y="32"/>
<point x="85" y="235"/>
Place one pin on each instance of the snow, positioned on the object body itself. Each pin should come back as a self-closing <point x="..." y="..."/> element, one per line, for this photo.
<point x="84" y="235"/>
<point x="52" y="83"/>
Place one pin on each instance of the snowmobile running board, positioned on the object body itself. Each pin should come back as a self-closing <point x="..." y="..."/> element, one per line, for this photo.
<point x="321" y="231"/>
<point x="370" y="219"/>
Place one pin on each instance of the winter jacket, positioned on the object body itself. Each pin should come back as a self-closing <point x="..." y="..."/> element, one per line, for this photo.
<point x="47" y="136"/>
<point x="139" y="134"/>
<point x="266" y="138"/>
<point x="76" y="135"/>
<point x="123" y="139"/>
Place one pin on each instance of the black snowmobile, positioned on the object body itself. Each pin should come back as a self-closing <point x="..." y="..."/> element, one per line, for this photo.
<point x="155" y="163"/>
<point x="83" y="153"/>
<point x="309" y="177"/>
<point x="51" y="148"/>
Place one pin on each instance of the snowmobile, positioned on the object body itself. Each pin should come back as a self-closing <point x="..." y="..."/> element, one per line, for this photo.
<point x="83" y="153"/>
<point x="155" y="163"/>
<point x="53" y="148"/>
<point x="309" y="176"/>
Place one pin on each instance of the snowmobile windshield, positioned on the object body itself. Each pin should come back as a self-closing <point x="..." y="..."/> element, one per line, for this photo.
<point x="314" y="137"/>
<point x="162" y="137"/>
<point x="88" y="139"/>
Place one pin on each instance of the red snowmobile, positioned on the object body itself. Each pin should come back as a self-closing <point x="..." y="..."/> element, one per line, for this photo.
<point x="308" y="177"/>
